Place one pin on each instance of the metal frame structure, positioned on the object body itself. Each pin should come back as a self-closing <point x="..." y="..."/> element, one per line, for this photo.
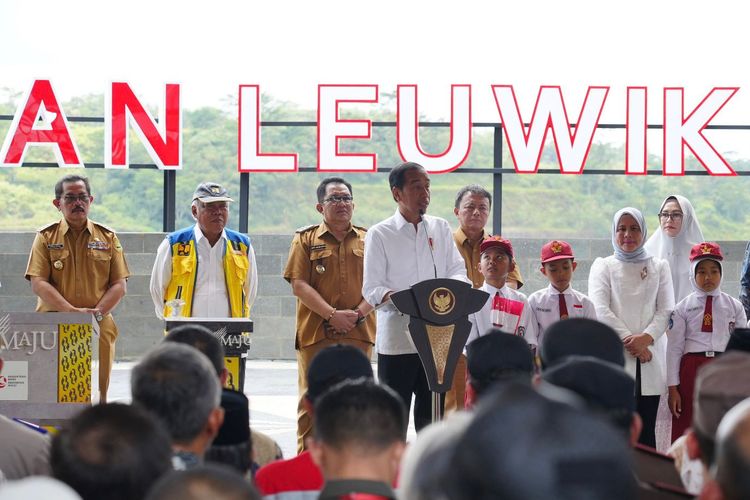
<point x="496" y="170"/>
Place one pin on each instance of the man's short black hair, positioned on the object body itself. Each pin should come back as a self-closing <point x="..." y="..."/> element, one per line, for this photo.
<point x="397" y="176"/>
<point x="111" y="451"/>
<point x="473" y="189"/>
<point x="321" y="191"/>
<point x="583" y="337"/>
<point x="522" y="445"/>
<point x="201" y="338"/>
<point x="71" y="178"/>
<point x="206" y="481"/>
<point x="333" y="365"/>
<point x="360" y="415"/>
<point x="498" y="356"/>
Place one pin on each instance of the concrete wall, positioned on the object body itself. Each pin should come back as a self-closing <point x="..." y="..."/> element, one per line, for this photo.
<point x="274" y="309"/>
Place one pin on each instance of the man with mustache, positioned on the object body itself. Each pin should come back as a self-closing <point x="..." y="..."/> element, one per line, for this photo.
<point x="205" y="270"/>
<point x="77" y="265"/>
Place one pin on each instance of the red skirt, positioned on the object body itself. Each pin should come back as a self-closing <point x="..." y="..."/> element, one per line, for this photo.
<point x="689" y="365"/>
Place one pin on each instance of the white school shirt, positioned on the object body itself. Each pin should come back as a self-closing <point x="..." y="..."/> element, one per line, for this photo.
<point x="685" y="333"/>
<point x="398" y="256"/>
<point x="210" y="299"/>
<point x="636" y="297"/>
<point x="545" y="304"/>
<point x="481" y="320"/>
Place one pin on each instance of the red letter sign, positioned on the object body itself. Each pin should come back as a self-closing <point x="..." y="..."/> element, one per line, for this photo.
<point x="41" y="121"/>
<point x="250" y="157"/>
<point x="549" y="112"/>
<point x="331" y="129"/>
<point x="163" y="142"/>
<point x="407" y="125"/>
<point x="680" y="131"/>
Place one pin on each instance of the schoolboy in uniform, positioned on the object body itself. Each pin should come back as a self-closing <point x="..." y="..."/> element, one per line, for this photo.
<point x="559" y="300"/>
<point x="506" y="308"/>
<point x="698" y="330"/>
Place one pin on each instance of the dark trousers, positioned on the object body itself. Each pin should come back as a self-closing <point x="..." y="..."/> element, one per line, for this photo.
<point x="404" y="374"/>
<point x="647" y="407"/>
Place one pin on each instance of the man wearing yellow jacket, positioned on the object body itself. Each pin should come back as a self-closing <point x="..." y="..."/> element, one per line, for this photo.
<point x="205" y="270"/>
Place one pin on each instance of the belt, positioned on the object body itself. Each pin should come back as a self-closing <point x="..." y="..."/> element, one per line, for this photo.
<point x="707" y="354"/>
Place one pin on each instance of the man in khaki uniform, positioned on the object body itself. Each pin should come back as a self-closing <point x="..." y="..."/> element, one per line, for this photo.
<point x="472" y="209"/>
<point x="325" y="269"/>
<point x="77" y="265"/>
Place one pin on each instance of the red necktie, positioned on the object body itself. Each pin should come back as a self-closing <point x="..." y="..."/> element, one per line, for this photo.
<point x="496" y="308"/>
<point x="563" y="306"/>
<point x="708" y="318"/>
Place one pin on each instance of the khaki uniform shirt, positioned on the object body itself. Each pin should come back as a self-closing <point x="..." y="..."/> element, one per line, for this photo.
<point x="334" y="269"/>
<point x="80" y="269"/>
<point x="471" y="256"/>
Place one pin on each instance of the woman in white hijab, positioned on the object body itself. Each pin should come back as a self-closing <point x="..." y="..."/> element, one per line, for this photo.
<point x="679" y="231"/>
<point x="632" y="292"/>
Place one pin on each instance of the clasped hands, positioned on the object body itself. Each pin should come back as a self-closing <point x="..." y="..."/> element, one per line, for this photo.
<point x="341" y="322"/>
<point x="637" y="346"/>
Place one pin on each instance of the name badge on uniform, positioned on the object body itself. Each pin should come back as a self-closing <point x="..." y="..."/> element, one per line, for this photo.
<point x="98" y="245"/>
<point x="55" y="246"/>
<point x="318" y="247"/>
<point x="58" y="265"/>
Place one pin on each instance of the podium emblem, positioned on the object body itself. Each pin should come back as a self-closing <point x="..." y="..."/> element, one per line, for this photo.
<point x="442" y="301"/>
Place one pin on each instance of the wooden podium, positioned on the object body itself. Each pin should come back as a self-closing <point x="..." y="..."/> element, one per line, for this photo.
<point x="51" y="367"/>
<point x="234" y="335"/>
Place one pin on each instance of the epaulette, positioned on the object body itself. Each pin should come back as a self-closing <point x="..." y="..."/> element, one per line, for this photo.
<point x="47" y="226"/>
<point x="106" y="228"/>
<point x="361" y="228"/>
<point x="306" y="228"/>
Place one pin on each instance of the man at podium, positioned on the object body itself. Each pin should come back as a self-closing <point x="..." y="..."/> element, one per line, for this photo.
<point x="77" y="265"/>
<point x="401" y="251"/>
<point x="205" y="270"/>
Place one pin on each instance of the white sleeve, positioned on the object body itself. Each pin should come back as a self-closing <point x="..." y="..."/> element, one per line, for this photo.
<point x="456" y="266"/>
<point x="376" y="269"/>
<point x="664" y="303"/>
<point x="160" y="277"/>
<point x="675" y="344"/>
<point x="600" y="293"/>
<point x="251" y="280"/>
<point x="529" y="324"/>
<point x="589" y="310"/>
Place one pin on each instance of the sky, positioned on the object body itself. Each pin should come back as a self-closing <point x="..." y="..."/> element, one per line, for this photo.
<point x="290" y="47"/>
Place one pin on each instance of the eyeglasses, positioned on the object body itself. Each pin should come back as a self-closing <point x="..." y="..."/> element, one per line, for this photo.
<point x="339" y="199"/>
<point x="70" y="199"/>
<point x="671" y="215"/>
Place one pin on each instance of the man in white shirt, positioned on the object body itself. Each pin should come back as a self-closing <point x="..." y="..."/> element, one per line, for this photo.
<point x="401" y="251"/>
<point x="205" y="270"/>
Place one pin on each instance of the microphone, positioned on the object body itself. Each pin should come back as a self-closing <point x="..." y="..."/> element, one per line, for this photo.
<point x="429" y="240"/>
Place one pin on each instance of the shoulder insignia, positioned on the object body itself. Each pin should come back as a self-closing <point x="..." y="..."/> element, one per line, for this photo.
<point x="103" y="227"/>
<point x="47" y="226"/>
<point x="306" y="228"/>
<point x="361" y="228"/>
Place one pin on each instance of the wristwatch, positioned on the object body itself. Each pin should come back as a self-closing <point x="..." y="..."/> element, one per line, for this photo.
<point x="98" y="315"/>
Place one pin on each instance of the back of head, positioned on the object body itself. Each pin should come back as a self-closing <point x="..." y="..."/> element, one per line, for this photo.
<point x="360" y="416"/>
<point x="335" y="364"/>
<point x="719" y="386"/>
<point x="178" y="384"/>
<point x="739" y="340"/>
<point x="201" y="483"/>
<point x="522" y="445"/>
<point x="201" y="338"/>
<point x="583" y="337"/>
<point x="498" y="356"/>
<point x="233" y="444"/>
<point x="606" y="388"/>
<point x="733" y="453"/>
<point x="111" y="451"/>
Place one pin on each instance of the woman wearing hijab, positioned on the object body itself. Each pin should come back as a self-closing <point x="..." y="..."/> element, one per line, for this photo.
<point x="632" y="292"/>
<point x="678" y="232"/>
